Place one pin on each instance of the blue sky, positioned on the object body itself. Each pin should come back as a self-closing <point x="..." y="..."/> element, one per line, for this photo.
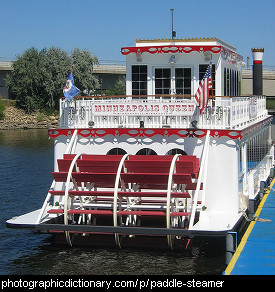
<point x="104" y="26"/>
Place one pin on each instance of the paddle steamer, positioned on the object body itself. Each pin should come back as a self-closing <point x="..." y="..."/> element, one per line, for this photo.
<point x="150" y="167"/>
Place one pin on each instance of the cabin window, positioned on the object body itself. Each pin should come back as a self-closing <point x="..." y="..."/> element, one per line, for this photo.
<point x="227" y="82"/>
<point x="146" y="151"/>
<point x="176" y="151"/>
<point x="238" y="84"/>
<point x="232" y="83"/>
<point x="139" y="80"/>
<point x="183" y="80"/>
<point x="116" y="151"/>
<point x="162" y="80"/>
<point x="224" y="81"/>
<point x="202" y="70"/>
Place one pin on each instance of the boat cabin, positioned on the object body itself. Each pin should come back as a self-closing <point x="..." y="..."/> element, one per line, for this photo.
<point x="176" y="67"/>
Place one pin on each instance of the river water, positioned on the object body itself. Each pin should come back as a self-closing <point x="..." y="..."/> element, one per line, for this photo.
<point x="26" y="163"/>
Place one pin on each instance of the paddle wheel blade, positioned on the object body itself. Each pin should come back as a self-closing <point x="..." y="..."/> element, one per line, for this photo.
<point x="130" y="191"/>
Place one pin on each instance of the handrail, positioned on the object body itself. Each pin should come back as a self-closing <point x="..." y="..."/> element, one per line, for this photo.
<point x="168" y="199"/>
<point x="116" y="195"/>
<point x="69" y="147"/>
<point x="48" y="197"/>
<point x="222" y="113"/>
<point x="202" y="169"/>
<point x="66" y="196"/>
<point x="46" y="202"/>
<point x="144" y="96"/>
<point x="204" y="177"/>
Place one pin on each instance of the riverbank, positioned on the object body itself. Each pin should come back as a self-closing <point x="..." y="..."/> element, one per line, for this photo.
<point x="17" y="119"/>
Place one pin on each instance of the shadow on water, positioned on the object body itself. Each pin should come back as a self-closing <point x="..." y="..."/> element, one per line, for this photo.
<point x="26" y="163"/>
<point x="48" y="259"/>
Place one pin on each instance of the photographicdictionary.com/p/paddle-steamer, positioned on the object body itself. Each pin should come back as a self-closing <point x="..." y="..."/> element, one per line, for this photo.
<point x="184" y="155"/>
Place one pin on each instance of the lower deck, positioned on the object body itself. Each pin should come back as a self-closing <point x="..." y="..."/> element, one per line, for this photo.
<point x="255" y="254"/>
<point x="201" y="189"/>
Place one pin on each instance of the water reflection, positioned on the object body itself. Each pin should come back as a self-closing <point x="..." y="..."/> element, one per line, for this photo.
<point x="97" y="261"/>
<point x="26" y="139"/>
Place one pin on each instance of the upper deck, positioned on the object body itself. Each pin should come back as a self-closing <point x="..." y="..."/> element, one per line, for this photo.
<point x="162" y="78"/>
<point x="161" y="112"/>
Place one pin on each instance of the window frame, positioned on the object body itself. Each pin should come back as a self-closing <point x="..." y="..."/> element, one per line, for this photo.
<point x="139" y="76"/>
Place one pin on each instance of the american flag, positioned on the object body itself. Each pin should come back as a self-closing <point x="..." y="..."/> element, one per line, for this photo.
<point x="202" y="94"/>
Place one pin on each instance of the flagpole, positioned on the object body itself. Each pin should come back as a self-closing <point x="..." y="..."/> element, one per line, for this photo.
<point x="212" y="96"/>
<point x="74" y="96"/>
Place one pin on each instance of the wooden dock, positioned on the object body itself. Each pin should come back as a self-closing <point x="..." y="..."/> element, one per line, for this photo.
<point x="255" y="254"/>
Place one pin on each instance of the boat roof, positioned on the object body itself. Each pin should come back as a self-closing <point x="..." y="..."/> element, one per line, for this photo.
<point x="184" y="45"/>
<point x="214" y="41"/>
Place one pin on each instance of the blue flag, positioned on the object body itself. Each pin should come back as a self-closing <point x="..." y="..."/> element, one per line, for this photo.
<point x="70" y="90"/>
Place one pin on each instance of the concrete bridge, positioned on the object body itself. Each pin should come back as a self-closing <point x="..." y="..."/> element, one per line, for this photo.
<point x="5" y="67"/>
<point x="268" y="81"/>
<point x="110" y="71"/>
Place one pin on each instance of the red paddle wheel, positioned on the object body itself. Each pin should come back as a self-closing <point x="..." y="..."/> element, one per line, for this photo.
<point x="147" y="191"/>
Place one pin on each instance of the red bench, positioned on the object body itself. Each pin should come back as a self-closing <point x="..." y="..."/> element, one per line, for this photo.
<point x="98" y="166"/>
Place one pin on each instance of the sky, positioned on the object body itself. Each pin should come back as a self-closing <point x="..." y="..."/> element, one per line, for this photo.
<point x="104" y="26"/>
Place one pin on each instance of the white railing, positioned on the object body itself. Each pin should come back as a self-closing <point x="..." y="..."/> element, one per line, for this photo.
<point x="159" y="112"/>
<point x="201" y="179"/>
<point x="260" y="173"/>
<point x="70" y="148"/>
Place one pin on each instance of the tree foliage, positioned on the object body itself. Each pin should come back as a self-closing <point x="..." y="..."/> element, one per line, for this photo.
<point x="119" y="88"/>
<point x="83" y="62"/>
<point x="2" y="109"/>
<point x="38" y="77"/>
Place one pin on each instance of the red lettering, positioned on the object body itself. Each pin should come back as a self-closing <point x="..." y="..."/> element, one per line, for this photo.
<point x="97" y="108"/>
<point x="171" y="108"/>
<point x="191" y="107"/>
<point x="184" y="107"/>
<point x="178" y="108"/>
<point x="156" y="108"/>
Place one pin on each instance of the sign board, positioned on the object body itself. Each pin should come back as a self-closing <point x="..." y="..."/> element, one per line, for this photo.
<point x="253" y="107"/>
<point x="143" y="109"/>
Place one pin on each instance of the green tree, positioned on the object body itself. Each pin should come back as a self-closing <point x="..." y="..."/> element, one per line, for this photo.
<point x="83" y="62"/>
<point x="25" y="80"/>
<point x="55" y="68"/>
<point x="120" y="87"/>
<point x="2" y="109"/>
<point x="38" y="78"/>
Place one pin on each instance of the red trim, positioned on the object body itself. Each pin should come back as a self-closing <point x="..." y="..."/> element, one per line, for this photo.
<point x="150" y="132"/>
<point x="182" y="49"/>
<point x="257" y="62"/>
<point x="256" y="126"/>
<point x="170" y="49"/>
